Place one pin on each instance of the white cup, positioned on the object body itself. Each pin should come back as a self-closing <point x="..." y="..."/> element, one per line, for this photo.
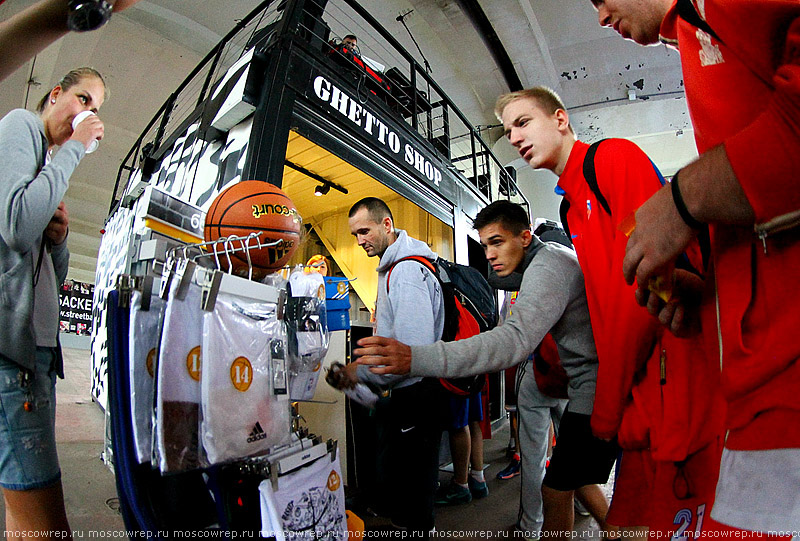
<point x="77" y="120"/>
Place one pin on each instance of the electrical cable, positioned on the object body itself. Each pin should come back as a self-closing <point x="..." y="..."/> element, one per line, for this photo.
<point x="30" y="76"/>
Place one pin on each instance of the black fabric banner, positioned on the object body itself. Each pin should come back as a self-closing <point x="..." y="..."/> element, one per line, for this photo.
<point x="75" y="299"/>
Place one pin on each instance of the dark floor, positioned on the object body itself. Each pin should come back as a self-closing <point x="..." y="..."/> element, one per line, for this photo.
<point x="90" y="491"/>
<point x="495" y="515"/>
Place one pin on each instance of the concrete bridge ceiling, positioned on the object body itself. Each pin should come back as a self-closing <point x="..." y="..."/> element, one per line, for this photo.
<point x="148" y="50"/>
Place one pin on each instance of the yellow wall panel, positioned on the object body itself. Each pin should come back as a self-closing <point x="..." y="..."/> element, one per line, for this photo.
<point x="334" y="232"/>
<point x="328" y="214"/>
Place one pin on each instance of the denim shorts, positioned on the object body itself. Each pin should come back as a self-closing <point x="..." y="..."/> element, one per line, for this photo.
<point x="28" y="458"/>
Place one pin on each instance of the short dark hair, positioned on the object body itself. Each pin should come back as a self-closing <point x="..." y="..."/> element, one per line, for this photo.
<point x="511" y="216"/>
<point x="377" y="208"/>
<point x="68" y="81"/>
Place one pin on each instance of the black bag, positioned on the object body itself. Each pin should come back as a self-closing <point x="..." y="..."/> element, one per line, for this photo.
<point x="469" y="308"/>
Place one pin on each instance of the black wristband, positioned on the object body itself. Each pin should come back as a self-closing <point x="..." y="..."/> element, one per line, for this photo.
<point x="681" y="205"/>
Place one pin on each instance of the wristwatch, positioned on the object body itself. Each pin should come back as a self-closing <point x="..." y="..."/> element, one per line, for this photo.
<point x="85" y="15"/>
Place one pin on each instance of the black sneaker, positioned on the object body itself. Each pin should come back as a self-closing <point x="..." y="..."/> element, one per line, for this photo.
<point x="453" y="494"/>
<point x="510" y="471"/>
<point x="478" y="489"/>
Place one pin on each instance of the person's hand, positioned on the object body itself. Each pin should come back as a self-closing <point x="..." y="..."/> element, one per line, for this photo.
<point x="347" y="377"/>
<point x="88" y="130"/>
<point x="58" y="227"/>
<point x="681" y="315"/>
<point x="119" y="5"/>
<point x="659" y="237"/>
<point x="342" y="377"/>
<point x="384" y="355"/>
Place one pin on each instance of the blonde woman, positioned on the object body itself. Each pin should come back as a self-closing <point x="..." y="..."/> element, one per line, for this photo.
<point x="33" y="262"/>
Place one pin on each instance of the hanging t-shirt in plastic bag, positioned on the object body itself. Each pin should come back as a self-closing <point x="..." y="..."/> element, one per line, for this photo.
<point x="241" y="414"/>
<point x="179" y="371"/>
<point x="308" y="504"/>
<point x="308" y="332"/>
<point x="145" y="329"/>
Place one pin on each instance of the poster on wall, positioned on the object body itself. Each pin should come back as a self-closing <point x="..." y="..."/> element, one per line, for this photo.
<point x="75" y="315"/>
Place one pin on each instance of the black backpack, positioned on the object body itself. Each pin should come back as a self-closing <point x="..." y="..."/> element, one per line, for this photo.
<point x="469" y="308"/>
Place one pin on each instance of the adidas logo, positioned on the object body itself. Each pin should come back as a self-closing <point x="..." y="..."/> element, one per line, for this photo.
<point x="257" y="433"/>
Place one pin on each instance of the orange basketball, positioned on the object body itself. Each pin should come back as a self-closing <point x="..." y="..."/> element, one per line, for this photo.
<point x="255" y="206"/>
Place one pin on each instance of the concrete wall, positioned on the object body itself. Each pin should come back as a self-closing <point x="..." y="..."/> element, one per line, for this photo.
<point x="661" y="128"/>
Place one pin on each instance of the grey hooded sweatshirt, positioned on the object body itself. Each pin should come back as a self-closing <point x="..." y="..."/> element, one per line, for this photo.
<point x="413" y="309"/>
<point x="551" y="298"/>
<point x="30" y="192"/>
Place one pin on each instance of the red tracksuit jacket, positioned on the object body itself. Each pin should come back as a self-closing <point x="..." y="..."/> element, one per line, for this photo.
<point x="744" y="92"/>
<point x="682" y="414"/>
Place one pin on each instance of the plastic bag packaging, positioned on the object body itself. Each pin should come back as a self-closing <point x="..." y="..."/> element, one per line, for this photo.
<point x="179" y="372"/>
<point x="306" y="321"/>
<point x="275" y="280"/>
<point x="145" y="328"/>
<point x="308" y="504"/>
<point x="244" y="349"/>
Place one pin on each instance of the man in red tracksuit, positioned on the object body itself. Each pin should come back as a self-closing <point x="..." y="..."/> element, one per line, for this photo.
<point x="741" y="67"/>
<point x="655" y="392"/>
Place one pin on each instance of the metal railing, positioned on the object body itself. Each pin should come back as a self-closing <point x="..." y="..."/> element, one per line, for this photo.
<point x="416" y="98"/>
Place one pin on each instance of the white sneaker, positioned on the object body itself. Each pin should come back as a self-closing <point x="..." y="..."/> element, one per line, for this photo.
<point x="580" y="509"/>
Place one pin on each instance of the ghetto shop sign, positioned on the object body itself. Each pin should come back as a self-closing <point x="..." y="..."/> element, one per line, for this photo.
<point x="75" y="314"/>
<point x="387" y="139"/>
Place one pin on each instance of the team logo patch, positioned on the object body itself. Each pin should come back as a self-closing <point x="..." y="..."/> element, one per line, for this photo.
<point x="710" y="55"/>
<point x="241" y="374"/>
<point x="151" y="361"/>
<point x="256" y="434"/>
<point x="333" y="481"/>
<point x="193" y="363"/>
<point x="588" y="209"/>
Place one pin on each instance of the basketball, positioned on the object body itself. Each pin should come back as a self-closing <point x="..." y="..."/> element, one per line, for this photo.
<point x="254" y="206"/>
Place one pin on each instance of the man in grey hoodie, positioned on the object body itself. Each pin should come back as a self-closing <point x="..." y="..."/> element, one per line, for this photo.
<point x="551" y="299"/>
<point x="410" y="308"/>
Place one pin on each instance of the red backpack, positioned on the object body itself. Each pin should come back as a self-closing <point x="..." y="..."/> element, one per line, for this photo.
<point x="551" y="378"/>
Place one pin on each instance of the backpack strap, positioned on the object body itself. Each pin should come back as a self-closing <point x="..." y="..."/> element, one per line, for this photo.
<point x="590" y="175"/>
<point x="424" y="261"/>
<point x="688" y="13"/>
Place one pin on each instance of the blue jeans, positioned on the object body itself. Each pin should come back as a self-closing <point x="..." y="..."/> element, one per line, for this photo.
<point x="28" y="458"/>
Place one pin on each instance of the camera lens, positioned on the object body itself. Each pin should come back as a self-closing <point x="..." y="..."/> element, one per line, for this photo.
<point x="85" y="15"/>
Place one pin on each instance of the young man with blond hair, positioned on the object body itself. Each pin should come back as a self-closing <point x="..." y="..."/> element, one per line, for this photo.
<point x="655" y="392"/>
